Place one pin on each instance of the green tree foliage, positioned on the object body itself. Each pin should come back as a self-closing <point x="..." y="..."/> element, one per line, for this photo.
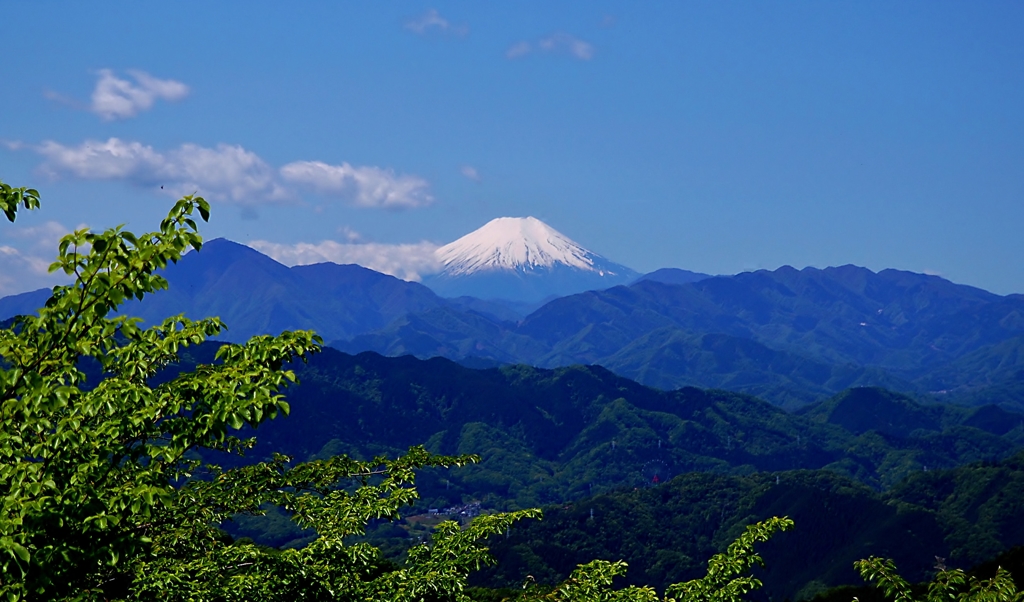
<point x="104" y="496"/>
<point x="967" y="515"/>
<point x="727" y="578"/>
<point x="949" y="585"/>
<point x="11" y="199"/>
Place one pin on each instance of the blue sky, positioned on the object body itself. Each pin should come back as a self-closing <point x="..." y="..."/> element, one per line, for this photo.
<point x="712" y="136"/>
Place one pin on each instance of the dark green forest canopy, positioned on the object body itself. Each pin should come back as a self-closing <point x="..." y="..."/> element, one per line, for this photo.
<point x="965" y="515"/>
<point x="548" y="436"/>
<point x="537" y="429"/>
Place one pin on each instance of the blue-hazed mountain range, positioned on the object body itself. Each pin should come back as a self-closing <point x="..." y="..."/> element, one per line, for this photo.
<point x="788" y="335"/>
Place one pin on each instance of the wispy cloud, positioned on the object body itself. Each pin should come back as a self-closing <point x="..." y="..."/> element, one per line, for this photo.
<point x="36" y="265"/>
<point x="558" y="42"/>
<point x="44" y="237"/>
<point x="432" y="21"/>
<point x="116" y="98"/>
<point x="27" y="259"/>
<point x="563" y="42"/>
<point x="365" y="186"/>
<point x="225" y="173"/>
<point x="22" y="272"/>
<point x="410" y="261"/>
<point x="470" y="172"/>
<point x="231" y="174"/>
<point x="519" y="49"/>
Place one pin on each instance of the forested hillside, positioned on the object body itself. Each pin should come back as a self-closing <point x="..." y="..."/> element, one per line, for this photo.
<point x="547" y="436"/>
<point x="965" y="515"/>
<point x="671" y="476"/>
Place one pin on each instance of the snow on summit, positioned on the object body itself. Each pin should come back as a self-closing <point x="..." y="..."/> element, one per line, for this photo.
<point x="515" y="244"/>
<point x="521" y="259"/>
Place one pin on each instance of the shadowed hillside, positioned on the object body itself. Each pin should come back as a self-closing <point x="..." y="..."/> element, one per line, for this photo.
<point x="665" y="533"/>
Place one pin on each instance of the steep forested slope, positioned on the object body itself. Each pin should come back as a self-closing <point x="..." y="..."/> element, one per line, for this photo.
<point x="547" y="436"/>
<point x="665" y="533"/>
<point x="858" y="472"/>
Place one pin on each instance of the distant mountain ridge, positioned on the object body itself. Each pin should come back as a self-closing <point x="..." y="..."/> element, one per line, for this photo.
<point x="253" y="294"/>
<point x="23" y="303"/>
<point x="672" y="276"/>
<point x="789" y="336"/>
<point x="892" y="319"/>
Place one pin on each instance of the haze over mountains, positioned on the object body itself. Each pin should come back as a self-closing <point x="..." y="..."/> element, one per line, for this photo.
<point x="790" y="336"/>
<point x="821" y="343"/>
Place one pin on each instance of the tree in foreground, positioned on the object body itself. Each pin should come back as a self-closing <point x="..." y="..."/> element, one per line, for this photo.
<point x="949" y="585"/>
<point x="104" y="494"/>
<point x="727" y="578"/>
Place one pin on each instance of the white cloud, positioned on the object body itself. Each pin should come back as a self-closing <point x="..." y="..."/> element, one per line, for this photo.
<point x="366" y="186"/>
<point x="226" y="173"/>
<point x="432" y="20"/>
<point x="519" y="49"/>
<point x="556" y="42"/>
<point x="65" y="100"/>
<point x="230" y="174"/>
<point x="410" y="261"/>
<point x="95" y="160"/>
<point x="34" y="264"/>
<point x="26" y="265"/>
<point x="115" y="98"/>
<point x="350" y="235"/>
<point x="25" y="271"/>
<point x="565" y="42"/>
<point x="43" y="237"/>
<point x="18" y="272"/>
<point x="470" y="172"/>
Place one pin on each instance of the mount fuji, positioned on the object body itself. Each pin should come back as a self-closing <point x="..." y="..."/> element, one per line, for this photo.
<point x="521" y="259"/>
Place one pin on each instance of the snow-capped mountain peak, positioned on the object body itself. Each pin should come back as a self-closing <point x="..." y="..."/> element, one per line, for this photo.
<point x="514" y="244"/>
<point x="521" y="259"/>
